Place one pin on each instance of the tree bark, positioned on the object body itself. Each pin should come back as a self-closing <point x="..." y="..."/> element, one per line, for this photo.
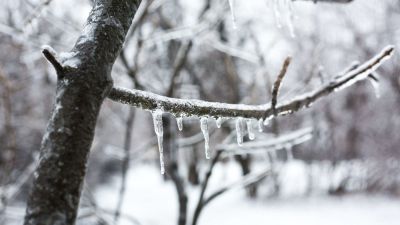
<point x="84" y="80"/>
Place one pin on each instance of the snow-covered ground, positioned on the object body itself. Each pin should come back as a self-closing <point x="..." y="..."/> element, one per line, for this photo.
<point x="152" y="201"/>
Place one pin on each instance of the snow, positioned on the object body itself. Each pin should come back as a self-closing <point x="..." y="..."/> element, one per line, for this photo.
<point x="151" y="200"/>
<point x="50" y="50"/>
<point x="69" y="59"/>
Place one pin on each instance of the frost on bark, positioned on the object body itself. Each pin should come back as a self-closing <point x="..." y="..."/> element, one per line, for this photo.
<point x="84" y="80"/>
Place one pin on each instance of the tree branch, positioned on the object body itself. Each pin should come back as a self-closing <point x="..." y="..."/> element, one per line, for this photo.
<point x="184" y="107"/>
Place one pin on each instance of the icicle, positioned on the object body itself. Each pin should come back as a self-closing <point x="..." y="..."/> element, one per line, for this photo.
<point x="204" y="129"/>
<point x="277" y="14"/>
<point x="290" y="18"/>
<point x="260" y="125"/>
<point x="231" y="6"/>
<point x="250" y="129"/>
<point x="179" y="121"/>
<point x="239" y="130"/>
<point x="289" y="152"/>
<point x="375" y="85"/>
<point x="158" y="128"/>
<point x="219" y="122"/>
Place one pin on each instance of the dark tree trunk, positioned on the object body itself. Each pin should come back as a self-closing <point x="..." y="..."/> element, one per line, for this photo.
<point x="84" y="80"/>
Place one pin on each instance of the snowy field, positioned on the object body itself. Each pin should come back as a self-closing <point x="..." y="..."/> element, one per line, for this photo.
<point x="152" y="201"/>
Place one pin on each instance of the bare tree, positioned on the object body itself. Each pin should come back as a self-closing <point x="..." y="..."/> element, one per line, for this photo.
<point x="84" y="81"/>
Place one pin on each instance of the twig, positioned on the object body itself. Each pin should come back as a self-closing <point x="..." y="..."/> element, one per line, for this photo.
<point x="204" y="185"/>
<point x="277" y="84"/>
<point x="246" y="180"/>
<point x="51" y="56"/>
<point x="181" y="58"/>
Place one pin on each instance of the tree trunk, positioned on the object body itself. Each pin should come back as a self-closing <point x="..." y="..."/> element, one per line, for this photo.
<point x="84" y="80"/>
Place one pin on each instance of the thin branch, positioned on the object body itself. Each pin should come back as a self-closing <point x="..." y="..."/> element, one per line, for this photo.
<point x="195" y="139"/>
<point x="246" y="180"/>
<point x="179" y="62"/>
<point x="125" y="163"/>
<point x="51" y="56"/>
<point x="277" y="84"/>
<point x="37" y="12"/>
<point x="178" y="107"/>
<point x="232" y="51"/>
<point x="204" y="185"/>
<point x="291" y="139"/>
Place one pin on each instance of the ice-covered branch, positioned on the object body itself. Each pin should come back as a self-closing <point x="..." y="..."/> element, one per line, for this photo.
<point x="190" y="107"/>
<point x="244" y="182"/>
<point x="284" y="141"/>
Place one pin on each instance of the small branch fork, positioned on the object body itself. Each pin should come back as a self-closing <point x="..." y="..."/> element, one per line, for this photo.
<point x="190" y="107"/>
